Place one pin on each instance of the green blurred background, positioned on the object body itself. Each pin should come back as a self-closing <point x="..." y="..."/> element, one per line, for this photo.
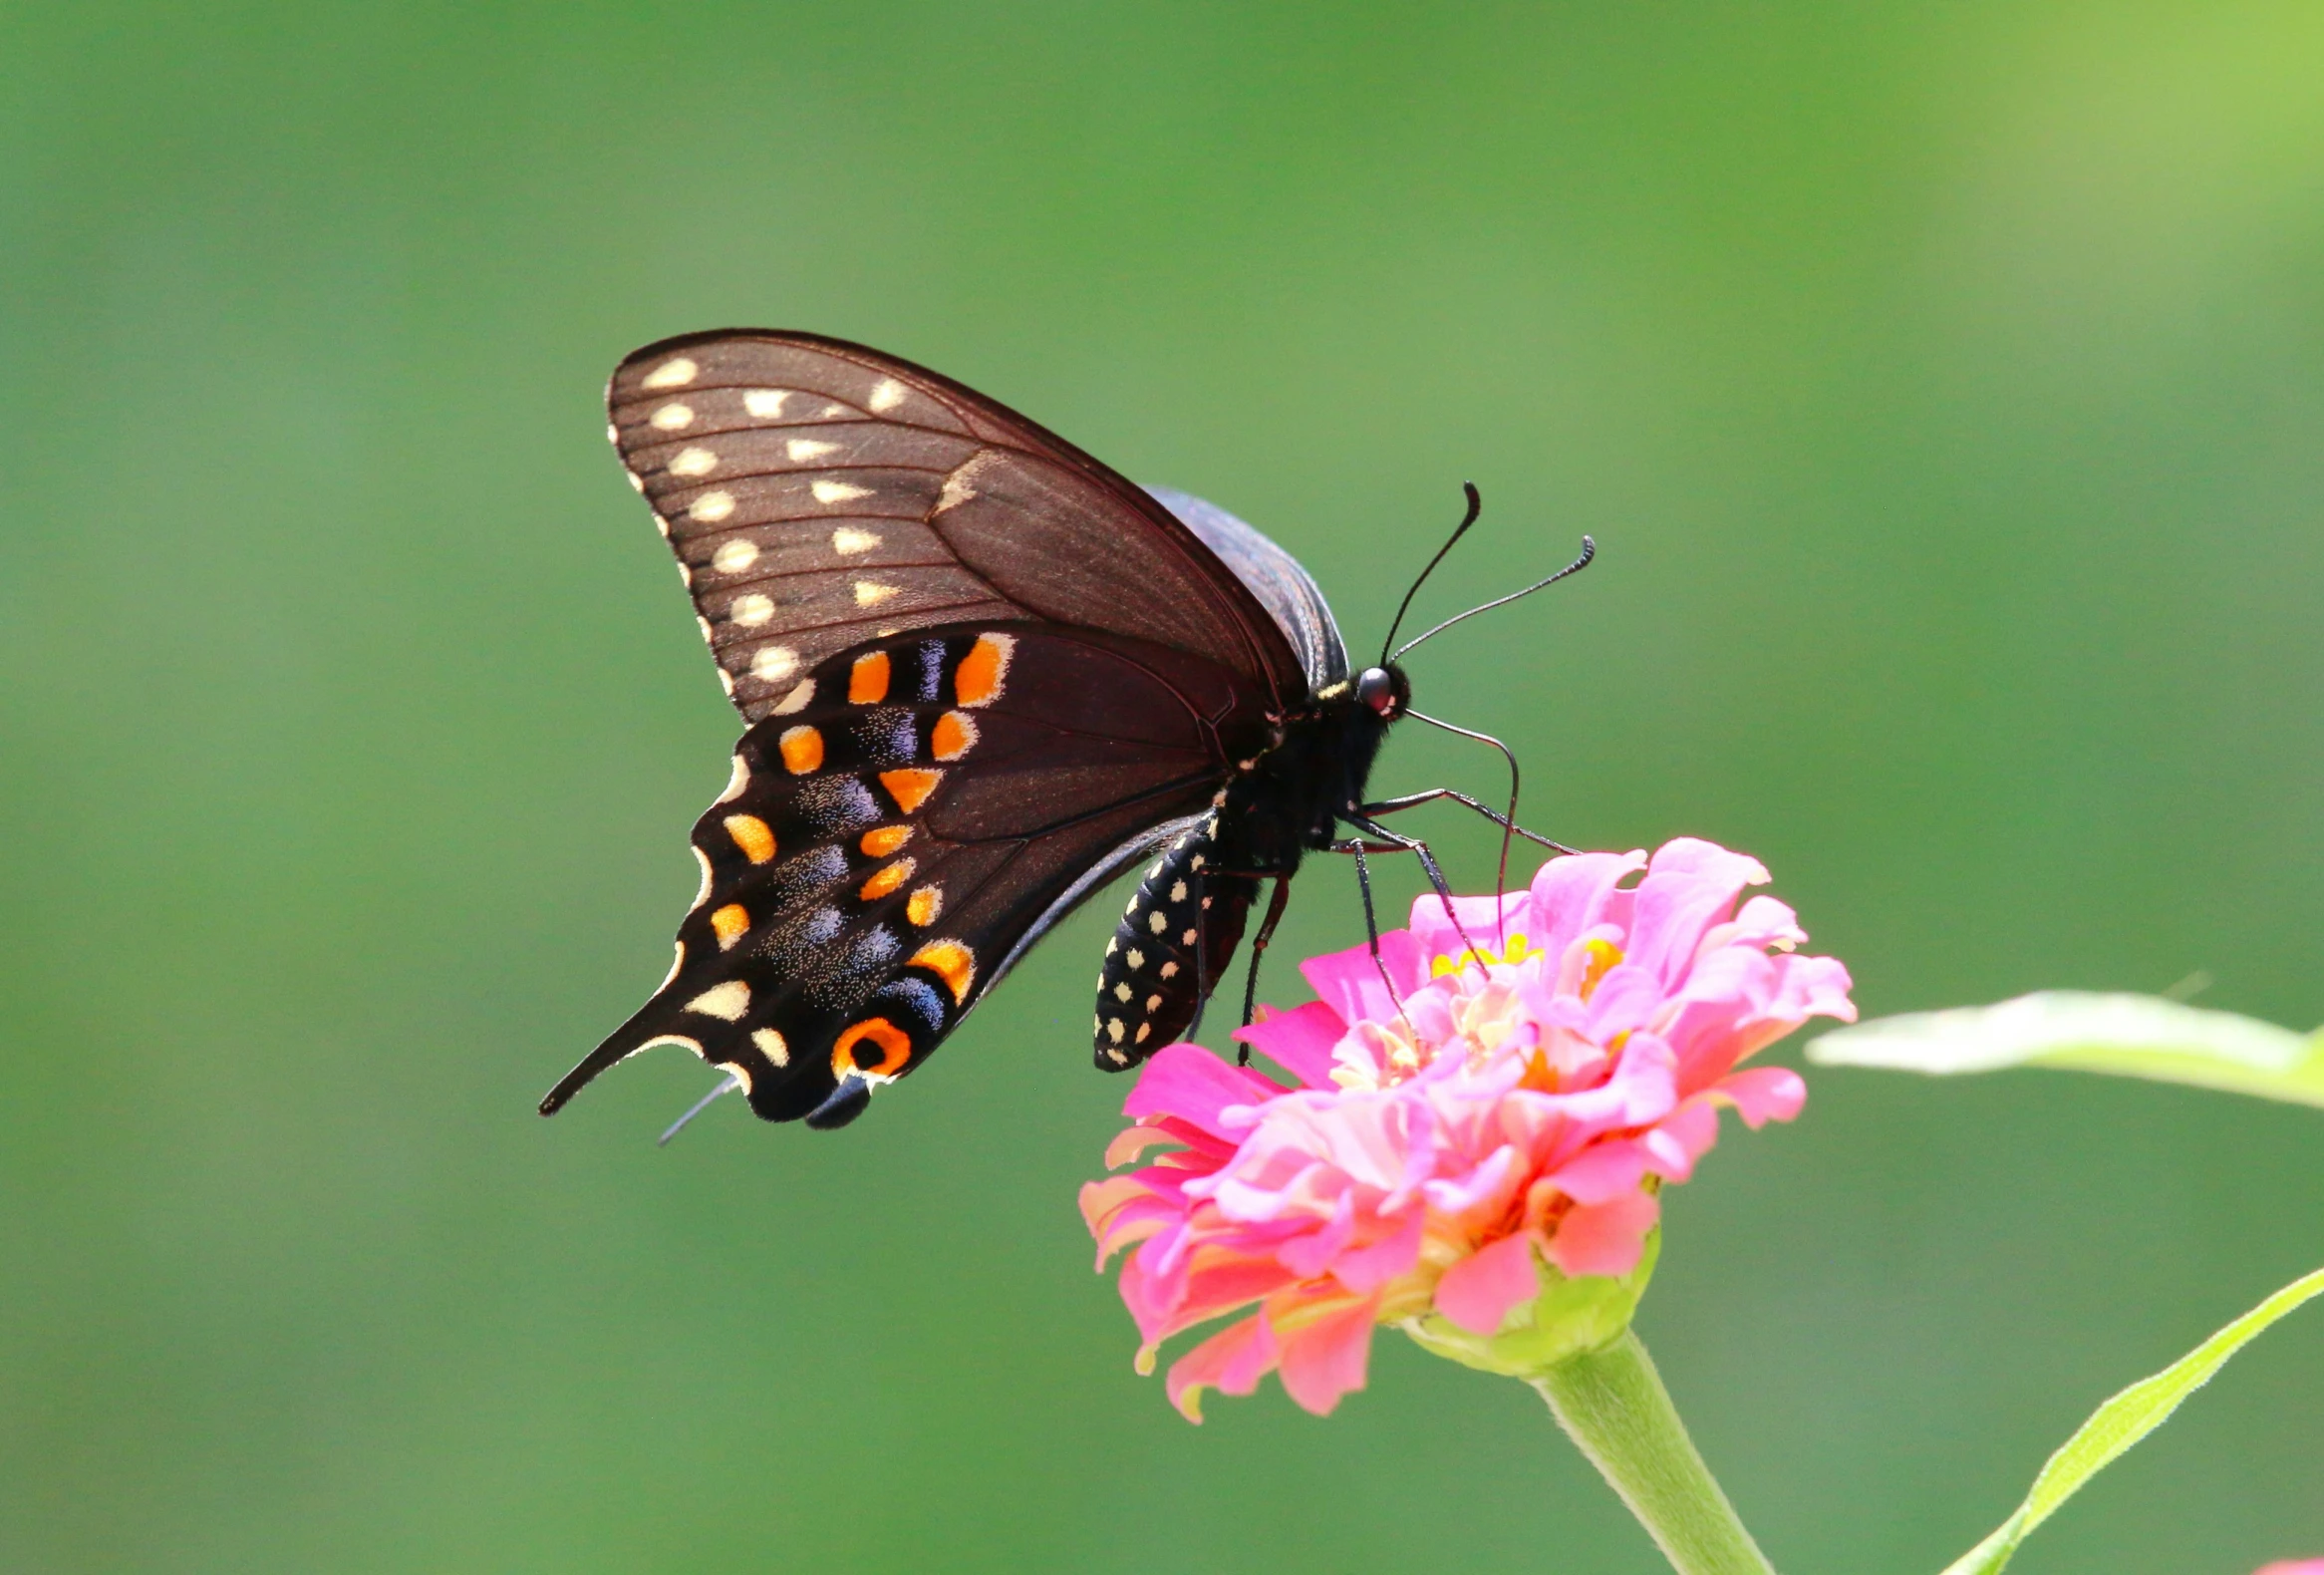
<point x="1943" y="385"/>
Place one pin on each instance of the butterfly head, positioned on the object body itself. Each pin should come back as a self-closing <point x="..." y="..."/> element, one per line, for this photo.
<point x="1384" y="691"/>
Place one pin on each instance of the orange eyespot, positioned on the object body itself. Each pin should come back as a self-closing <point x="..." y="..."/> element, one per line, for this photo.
<point x="802" y="750"/>
<point x="882" y="841"/>
<point x="910" y="786"/>
<point x="893" y="1044"/>
<point x="952" y="962"/>
<point x="954" y="736"/>
<point x="867" y="681"/>
<point x="979" y="678"/>
<point x="751" y="836"/>
<point x="887" y="880"/>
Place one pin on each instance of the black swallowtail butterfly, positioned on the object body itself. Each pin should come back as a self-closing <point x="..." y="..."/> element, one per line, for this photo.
<point x="983" y="675"/>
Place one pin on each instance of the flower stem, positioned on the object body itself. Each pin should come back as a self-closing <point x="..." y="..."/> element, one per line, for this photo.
<point x="1612" y="1404"/>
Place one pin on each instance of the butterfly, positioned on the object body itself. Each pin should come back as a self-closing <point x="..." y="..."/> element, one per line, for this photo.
<point x="983" y="675"/>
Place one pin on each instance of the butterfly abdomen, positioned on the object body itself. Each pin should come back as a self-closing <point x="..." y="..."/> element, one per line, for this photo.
<point x="1150" y="985"/>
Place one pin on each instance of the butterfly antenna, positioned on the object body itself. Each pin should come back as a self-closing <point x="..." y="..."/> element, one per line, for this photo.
<point x="1476" y="507"/>
<point x="729" y="1086"/>
<point x="1589" y="551"/>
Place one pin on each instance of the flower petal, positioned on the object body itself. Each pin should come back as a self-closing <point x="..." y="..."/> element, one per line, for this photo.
<point x="1328" y="1357"/>
<point x="1233" y="1361"/>
<point x="1188" y="1081"/>
<point x="1300" y="1040"/>
<point x="1478" y="1292"/>
<point x="1604" y="1239"/>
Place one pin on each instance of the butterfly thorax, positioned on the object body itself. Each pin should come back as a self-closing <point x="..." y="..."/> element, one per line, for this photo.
<point x="1290" y="796"/>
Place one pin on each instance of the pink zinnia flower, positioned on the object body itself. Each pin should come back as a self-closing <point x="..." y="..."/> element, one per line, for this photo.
<point x="2292" y="1567"/>
<point x="1523" y="1103"/>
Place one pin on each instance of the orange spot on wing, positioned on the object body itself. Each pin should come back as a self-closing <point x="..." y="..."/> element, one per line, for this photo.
<point x="910" y="786"/>
<point x="731" y="923"/>
<point x="802" y="750"/>
<point x="895" y="1049"/>
<point x="979" y="678"/>
<point x="751" y="836"/>
<point x="952" y="962"/>
<point x="882" y="841"/>
<point x="954" y="735"/>
<point x="923" y="905"/>
<point x="867" y="681"/>
<point x="887" y="880"/>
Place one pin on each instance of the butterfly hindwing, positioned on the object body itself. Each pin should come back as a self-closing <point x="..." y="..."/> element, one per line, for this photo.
<point x="894" y="829"/>
<point x="819" y="493"/>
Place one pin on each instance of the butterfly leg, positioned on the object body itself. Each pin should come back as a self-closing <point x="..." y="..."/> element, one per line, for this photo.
<point x="1413" y="800"/>
<point x="1371" y="922"/>
<point x="1274" y="906"/>
<point x="1419" y="849"/>
<point x="729" y="1084"/>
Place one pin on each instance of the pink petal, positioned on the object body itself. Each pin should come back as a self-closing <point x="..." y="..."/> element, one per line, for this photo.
<point x="1765" y="1094"/>
<point x="1328" y="1358"/>
<point x="1604" y="1239"/>
<point x="1188" y="1081"/>
<point x="1349" y="982"/>
<point x="1233" y="1361"/>
<point x="1367" y="1268"/>
<point x="1132" y="1142"/>
<point x="1571" y="894"/>
<point x="1478" y="1292"/>
<point x="1300" y="1040"/>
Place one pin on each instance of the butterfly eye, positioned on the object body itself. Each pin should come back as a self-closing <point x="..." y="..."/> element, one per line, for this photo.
<point x="1376" y="687"/>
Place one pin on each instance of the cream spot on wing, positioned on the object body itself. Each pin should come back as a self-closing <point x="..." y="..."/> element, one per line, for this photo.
<point x="675" y="373"/>
<point x="831" y="413"/>
<point x="675" y="963"/>
<point x="773" y="1045"/>
<point x="958" y="487"/>
<point x="847" y="539"/>
<point x="735" y="784"/>
<point x="735" y="1069"/>
<point x="836" y="492"/>
<point x="735" y="556"/>
<point x="693" y="461"/>
<point x="886" y="395"/>
<point x="796" y="700"/>
<point x="671" y="417"/>
<point x="636" y="482"/>
<point x="765" y="404"/>
<point x="727" y="682"/>
<point x="870" y="593"/>
<point x="801" y="449"/>
<point x="728" y="1001"/>
<point x="702" y="859"/>
<point x="686" y="576"/>
<point x="710" y="508"/>
<point x="750" y="611"/>
<point x="773" y="663"/>
<point x="704" y="624"/>
<point x="661" y="525"/>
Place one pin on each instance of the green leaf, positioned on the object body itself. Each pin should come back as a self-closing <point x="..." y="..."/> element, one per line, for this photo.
<point x="2123" y="1422"/>
<point x="2132" y="1035"/>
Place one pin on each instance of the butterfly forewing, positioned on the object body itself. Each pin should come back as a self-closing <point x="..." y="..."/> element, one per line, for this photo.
<point x="894" y="830"/>
<point x="820" y="495"/>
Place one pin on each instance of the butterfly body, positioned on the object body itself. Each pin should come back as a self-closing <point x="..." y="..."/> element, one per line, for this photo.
<point x="983" y="674"/>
